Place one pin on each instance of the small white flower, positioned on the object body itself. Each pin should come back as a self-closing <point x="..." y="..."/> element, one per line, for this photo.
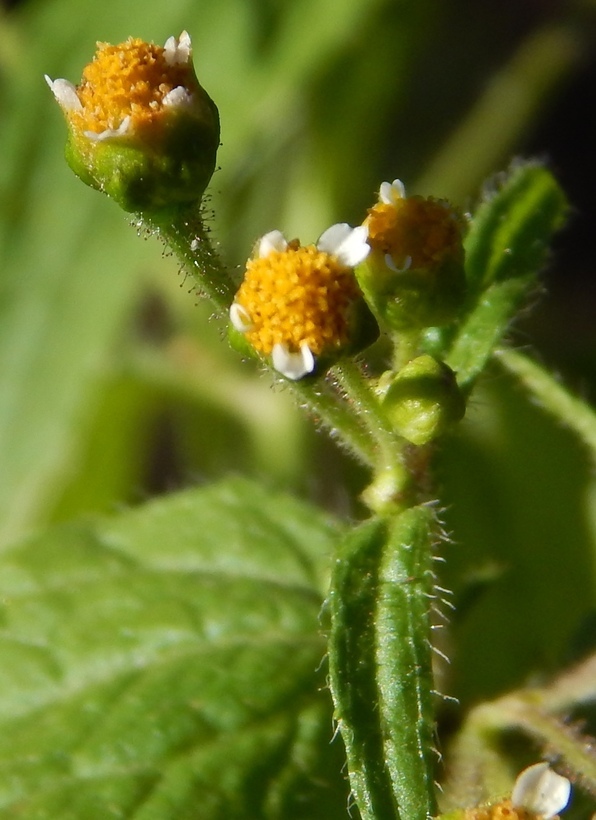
<point x="293" y="365"/>
<point x="540" y="790"/>
<point x="65" y="93"/>
<point x="240" y="318"/>
<point x="272" y="241"/>
<point x="391" y="192"/>
<point x="348" y="245"/>
<point x="178" y="49"/>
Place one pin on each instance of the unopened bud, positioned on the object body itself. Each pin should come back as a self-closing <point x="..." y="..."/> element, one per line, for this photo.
<point x="423" y="400"/>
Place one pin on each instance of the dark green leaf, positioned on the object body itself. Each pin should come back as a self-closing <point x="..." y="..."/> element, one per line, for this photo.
<point x="164" y="664"/>
<point x="379" y="663"/>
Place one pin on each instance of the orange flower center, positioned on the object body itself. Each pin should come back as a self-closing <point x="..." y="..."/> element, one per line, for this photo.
<point x="130" y="79"/>
<point x="425" y="230"/>
<point x="499" y="811"/>
<point x="295" y="296"/>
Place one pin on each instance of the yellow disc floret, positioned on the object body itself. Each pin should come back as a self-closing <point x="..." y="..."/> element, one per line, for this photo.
<point x="499" y="811"/>
<point x="415" y="232"/>
<point x="296" y="296"/>
<point x="127" y="80"/>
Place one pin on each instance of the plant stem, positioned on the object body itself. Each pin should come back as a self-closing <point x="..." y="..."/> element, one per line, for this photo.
<point x="389" y="490"/>
<point x="184" y="231"/>
<point x="337" y="416"/>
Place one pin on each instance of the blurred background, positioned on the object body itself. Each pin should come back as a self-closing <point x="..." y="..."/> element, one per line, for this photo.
<point x="117" y="385"/>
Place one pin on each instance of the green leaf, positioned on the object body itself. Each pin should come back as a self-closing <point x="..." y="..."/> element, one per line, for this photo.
<point x="482" y="330"/>
<point x="512" y="227"/>
<point x="506" y="248"/>
<point x="380" y="666"/>
<point x="519" y="497"/>
<point x="166" y="664"/>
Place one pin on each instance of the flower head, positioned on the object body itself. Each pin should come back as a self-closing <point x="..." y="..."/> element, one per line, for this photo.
<point x="414" y="276"/>
<point x="413" y="232"/>
<point x="141" y="127"/>
<point x="298" y="303"/>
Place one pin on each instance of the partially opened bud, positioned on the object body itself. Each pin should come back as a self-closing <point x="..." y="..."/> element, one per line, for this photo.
<point x="414" y="275"/>
<point x="423" y="400"/>
<point x="141" y="128"/>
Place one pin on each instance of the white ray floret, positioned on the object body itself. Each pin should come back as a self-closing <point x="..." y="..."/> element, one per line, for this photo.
<point x="65" y="93"/>
<point x="348" y="245"/>
<point x="178" y="97"/>
<point x="178" y="50"/>
<point x="293" y="365"/>
<point x="110" y="133"/>
<point x="240" y="318"/>
<point x="272" y="241"/>
<point x="391" y="192"/>
<point x="392" y="266"/>
<point x="540" y="790"/>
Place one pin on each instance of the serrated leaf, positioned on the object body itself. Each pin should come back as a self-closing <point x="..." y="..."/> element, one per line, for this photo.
<point x="163" y="664"/>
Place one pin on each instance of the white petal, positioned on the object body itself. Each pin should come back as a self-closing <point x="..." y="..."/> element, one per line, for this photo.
<point x="65" y="93"/>
<point x="177" y="50"/>
<point x="392" y="266"/>
<point x="272" y="241"/>
<point x="347" y="244"/>
<point x="390" y="192"/>
<point x="109" y="133"/>
<point x="178" y="97"/>
<point x="540" y="790"/>
<point x="293" y="365"/>
<point x="240" y="318"/>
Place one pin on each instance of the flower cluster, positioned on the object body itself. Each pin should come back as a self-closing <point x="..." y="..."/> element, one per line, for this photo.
<point x="299" y="305"/>
<point x="143" y="130"/>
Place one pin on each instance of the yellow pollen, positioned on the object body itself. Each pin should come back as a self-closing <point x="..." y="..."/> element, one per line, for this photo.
<point x="295" y="296"/>
<point x="426" y="230"/>
<point x="129" y="79"/>
<point x="499" y="811"/>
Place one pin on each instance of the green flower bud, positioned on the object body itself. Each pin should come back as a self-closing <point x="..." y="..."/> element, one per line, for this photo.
<point x="423" y="400"/>
<point x="414" y="276"/>
<point x="141" y="128"/>
<point x="301" y="306"/>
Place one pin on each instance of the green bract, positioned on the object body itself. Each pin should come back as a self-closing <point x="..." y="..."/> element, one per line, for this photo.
<point x="145" y="176"/>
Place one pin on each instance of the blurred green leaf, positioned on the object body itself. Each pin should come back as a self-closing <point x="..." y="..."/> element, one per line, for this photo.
<point x="164" y="664"/>
<point x="506" y="247"/>
<point x="520" y="505"/>
<point x="512" y="227"/>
